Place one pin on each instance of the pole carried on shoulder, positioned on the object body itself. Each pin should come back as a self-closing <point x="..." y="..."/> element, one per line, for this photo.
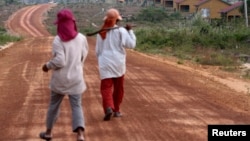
<point x="111" y="28"/>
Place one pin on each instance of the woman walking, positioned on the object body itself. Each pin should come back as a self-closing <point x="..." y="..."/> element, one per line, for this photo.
<point x="69" y="51"/>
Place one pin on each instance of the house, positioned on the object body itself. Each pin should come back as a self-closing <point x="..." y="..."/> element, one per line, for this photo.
<point x="185" y="6"/>
<point x="208" y="8"/>
<point x="232" y="12"/>
<point x="214" y="7"/>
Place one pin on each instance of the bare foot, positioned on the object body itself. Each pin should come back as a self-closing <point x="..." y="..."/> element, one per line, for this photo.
<point x="80" y="136"/>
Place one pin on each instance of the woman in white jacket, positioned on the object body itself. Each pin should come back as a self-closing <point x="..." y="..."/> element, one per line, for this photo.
<point x="111" y="54"/>
<point x="70" y="49"/>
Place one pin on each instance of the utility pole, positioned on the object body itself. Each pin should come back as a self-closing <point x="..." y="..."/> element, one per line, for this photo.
<point x="246" y="16"/>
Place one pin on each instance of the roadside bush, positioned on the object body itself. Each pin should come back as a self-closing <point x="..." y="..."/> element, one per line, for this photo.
<point x="217" y="59"/>
<point x="6" y="38"/>
<point x="2" y="30"/>
<point x="242" y="35"/>
<point x="151" y="38"/>
<point x="183" y="43"/>
<point x="152" y="14"/>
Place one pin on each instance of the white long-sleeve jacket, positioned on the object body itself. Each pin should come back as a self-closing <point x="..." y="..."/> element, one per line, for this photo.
<point x="67" y="65"/>
<point x="111" y="52"/>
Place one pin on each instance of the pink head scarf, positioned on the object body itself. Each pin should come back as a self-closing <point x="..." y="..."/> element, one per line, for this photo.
<point x="66" y="25"/>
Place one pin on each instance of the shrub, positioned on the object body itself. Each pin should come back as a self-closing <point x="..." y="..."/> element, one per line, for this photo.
<point x="6" y="38"/>
<point x="152" y="14"/>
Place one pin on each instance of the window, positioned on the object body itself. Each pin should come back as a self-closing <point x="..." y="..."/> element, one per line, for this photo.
<point x="157" y="1"/>
<point x="169" y="4"/>
<point x="184" y="8"/>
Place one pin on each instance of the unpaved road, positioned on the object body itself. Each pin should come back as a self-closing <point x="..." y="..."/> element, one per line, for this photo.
<point x="163" y="101"/>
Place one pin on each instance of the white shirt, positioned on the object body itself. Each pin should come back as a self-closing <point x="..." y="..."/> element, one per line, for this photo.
<point x="67" y="65"/>
<point x="111" y="52"/>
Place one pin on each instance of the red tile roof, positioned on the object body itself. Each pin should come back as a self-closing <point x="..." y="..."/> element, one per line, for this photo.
<point x="201" y="2"/>
<point x="232" y="7"/>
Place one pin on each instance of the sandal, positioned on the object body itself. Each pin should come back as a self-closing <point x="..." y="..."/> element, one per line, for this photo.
<point x="44" y="136"/>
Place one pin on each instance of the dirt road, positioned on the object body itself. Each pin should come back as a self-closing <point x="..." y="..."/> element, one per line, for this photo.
<point x="163" y="101"/>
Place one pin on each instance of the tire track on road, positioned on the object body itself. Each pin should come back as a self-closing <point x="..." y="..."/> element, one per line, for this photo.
<point x="25" y="22"/>
<point x="13" y="20"/>
<point x="25" y="18"/>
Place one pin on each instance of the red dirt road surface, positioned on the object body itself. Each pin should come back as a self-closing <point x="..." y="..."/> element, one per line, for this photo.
<point x="163" y="101"/>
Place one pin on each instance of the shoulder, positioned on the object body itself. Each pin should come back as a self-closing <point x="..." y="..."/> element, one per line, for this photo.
<point x="81" y="35"/>
<point x="123" y="30"/>
<point x="119" y="29"/>
<point x="57" y="40"/>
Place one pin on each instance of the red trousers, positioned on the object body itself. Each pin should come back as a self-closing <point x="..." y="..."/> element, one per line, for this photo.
<point x="112" y="91"/>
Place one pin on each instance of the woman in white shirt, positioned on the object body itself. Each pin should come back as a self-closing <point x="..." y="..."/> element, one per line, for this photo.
<point x="70" y="49"/>
<point x="111" y="54"/>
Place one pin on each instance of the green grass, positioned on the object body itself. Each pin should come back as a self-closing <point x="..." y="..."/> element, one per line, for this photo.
<point x="6" y="38"/>
<point x="212" y="48"/>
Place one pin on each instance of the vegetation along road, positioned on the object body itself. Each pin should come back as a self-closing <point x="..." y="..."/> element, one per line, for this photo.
<point x="164" y="101"/>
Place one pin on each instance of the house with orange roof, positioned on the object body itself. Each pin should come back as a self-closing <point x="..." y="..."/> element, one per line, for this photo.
<point x="232" y="12"/>
<point x="185" y="6"/>
<point x="211" y="9"/>
<point x="214" y="7"/>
